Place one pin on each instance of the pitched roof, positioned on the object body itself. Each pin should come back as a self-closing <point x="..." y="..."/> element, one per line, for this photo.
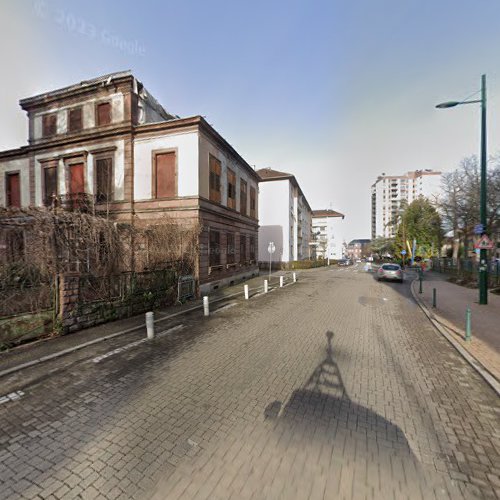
<point x="327" y="213"/>
<point x="270" y="174"/>
<point x="361" y="242"/>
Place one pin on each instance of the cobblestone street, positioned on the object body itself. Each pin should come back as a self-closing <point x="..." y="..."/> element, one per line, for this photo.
<point x="334" y="387"/>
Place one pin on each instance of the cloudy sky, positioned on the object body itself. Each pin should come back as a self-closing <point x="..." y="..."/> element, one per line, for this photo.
<point x="335" y="92"/>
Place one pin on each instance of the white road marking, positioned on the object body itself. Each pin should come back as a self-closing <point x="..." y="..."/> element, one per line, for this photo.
<point x="134" y="344"/>
<point x="13" y="396"/>
<point x="223" y="308"/>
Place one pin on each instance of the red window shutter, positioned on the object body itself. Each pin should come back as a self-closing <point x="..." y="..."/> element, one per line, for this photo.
<point x="104" y="113"/>
<point x="165" y="175"/>
<point x="75" y="119"/>
<point x="243" y="197"/>
<point x="104" y="179"/>
<point x="13" y="190"/>
<point x="77" y="183"/>
<point x="49" y="125"/>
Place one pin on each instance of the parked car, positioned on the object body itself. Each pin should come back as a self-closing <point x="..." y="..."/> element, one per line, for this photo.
<point x="391" y="272"/>
<point x="344" y="262"/>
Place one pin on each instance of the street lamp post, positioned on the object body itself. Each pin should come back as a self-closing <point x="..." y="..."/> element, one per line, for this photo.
<point x="483" y="265"/>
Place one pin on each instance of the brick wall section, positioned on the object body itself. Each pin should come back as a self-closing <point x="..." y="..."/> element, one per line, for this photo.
<point x="68" y="301"/>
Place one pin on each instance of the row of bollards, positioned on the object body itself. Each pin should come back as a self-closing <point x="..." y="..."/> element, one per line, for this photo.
<point x="468" y="312"/>
<point x="150" y="324"/>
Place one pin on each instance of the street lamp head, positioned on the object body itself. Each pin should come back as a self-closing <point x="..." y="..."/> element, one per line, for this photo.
<point x="448" y="104"/>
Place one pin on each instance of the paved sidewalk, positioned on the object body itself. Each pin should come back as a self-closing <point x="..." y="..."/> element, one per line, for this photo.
<point x="452" y="302"/>
<point x="52" y="346"/>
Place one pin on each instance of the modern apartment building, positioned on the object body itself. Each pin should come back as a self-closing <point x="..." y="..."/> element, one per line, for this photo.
<point x="391" y="193"/>
<point x="285" y="217"/>
<point x="327" y="234"/>
<point x="109" y="145"/>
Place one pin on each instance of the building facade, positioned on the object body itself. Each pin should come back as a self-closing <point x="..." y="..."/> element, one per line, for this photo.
<point x="286" y="217"/>
<point x="327" y="234"/>
<point x="392" y="193"/>
<point x="108" y="144"/>
<point x="358" y="249"/>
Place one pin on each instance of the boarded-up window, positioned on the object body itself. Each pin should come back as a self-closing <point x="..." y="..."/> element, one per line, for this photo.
<point x="49" y="185"/>
<point x="252" y="202"/>
<point x="104" y="113"/>
<point x="104" y="179"/>
<point x="76" y="179"/>
<point x="75" y="119"/>
<point x="231" y="189"/>
<point x="243" y="248"/>
<point x="230" y="248"/>
<point x="243" y="197"/>
<point x="13" y="187"/>
<point x="215" y="173"/>
<point x="252" y="248"/>
<point x="164" y="175"/>
<point x="214" y="248"/>
<point x="49" y="125"/>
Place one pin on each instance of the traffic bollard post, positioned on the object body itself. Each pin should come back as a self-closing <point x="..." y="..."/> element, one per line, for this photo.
<point x="246" y="292"/>
<point x="294" y="277"/>
<point x="150" y="325"/>
<point x="206" y="310"/>
<point x="281" y="281"/>
<point x="468" y="325"/>
<point x="434" y="297"/>
<point x="266" y="289"/>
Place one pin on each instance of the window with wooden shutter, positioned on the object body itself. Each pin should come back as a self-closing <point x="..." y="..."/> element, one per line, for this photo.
<point x="215" y="174"/>
<point x="252" y="248"/>
<point x="252" y="202"/>
<point x="49" y="125"/>
<point x="243" y="197"/>
<point x="49" y="185"/>
<point x="13" y="188"/>
<point x="164" y="175"/>
<point x="104" y="179"/>
<point x="231" y="189"/>
<point x="243" y="248"/>
<point x="214" y="248"/>
<point x="75" y="122"/>
<point x="230" y="251"/>
<point x="103" y="113"/>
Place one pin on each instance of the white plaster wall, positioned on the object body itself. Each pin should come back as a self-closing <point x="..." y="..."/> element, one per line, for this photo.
<point x="117" y="114"/>
<point x="21" y="165"/>
<point x="118" y="169"/>
<point x="187" y="163"/>
<point x="274" y="219"/>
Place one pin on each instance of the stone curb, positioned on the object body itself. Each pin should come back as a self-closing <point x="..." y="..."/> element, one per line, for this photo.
<point x="477" y="365"/>
<point x="58" y="354"/>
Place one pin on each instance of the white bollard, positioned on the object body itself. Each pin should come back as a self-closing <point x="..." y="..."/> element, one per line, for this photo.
<point x="265" y="286"/>
<point x="150" y="325"/>
<point x="281" y="281"/>
<point x="294" y="277"/>
<point x="246" y="292"/>
<point x="206" y="310"/>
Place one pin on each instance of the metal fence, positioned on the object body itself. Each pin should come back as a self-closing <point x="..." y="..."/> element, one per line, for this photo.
<point x="467" y="269"/>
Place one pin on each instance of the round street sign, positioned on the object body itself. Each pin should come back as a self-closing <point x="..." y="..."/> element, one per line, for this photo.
<point x="403" y="252"/>
<point x="271" y="248"/>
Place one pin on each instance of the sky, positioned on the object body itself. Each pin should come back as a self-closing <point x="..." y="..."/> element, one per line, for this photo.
<point x="335" y="92"/>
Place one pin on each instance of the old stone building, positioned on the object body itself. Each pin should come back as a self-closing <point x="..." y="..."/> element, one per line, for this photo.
<point x="108" y="146"/>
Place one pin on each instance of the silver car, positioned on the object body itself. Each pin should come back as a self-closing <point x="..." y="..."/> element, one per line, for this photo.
<point x="390" y="272"/>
